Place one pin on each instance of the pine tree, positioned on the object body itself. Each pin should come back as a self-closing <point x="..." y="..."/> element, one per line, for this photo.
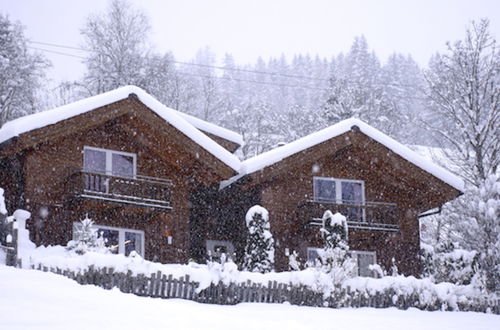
<point x="334" y="259"/>
<point x="87" y="238"/>
<point x="259" y="251"/>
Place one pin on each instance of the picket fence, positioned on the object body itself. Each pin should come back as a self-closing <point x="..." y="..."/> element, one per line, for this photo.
<point x="159" y="285"/>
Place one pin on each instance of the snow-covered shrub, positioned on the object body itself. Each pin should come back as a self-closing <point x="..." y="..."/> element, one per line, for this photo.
<point x="259" y="251"/>
<point x="293" y="261"/>
<point x="334" y="260"/>
<point x="447" y="262"/>
<point x="87" y="238"/>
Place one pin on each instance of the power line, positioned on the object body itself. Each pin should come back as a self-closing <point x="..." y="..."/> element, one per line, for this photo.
<point x="55" y="52"/>
<point x="216" y="67"/>
<point x="196" y="64"/>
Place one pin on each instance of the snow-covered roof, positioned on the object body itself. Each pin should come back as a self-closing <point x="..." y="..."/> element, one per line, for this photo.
<point x="212" y="128"/>
<point x="186" y="124"/>
<point x="273" y="156"/>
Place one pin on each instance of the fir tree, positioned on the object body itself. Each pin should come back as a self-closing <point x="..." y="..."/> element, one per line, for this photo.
<point x="87" y="238"/>
<point x="335" y="260"/>
<point x="259" y="251"/>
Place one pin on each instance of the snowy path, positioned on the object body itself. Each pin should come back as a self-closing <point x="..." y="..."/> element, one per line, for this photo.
<point x="35" y="300"/>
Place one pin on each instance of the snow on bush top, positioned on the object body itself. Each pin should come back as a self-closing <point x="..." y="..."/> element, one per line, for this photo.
<point x="273" y="156"/>
<point x="184" y="123"/>
<point x="256" y="209"/>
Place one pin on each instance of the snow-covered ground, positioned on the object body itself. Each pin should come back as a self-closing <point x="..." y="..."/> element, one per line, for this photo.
<point x="32" y="299"/>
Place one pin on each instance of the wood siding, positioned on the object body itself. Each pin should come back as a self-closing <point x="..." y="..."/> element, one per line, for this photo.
<point x="286" y="185"/>
<point x="52" y="154"/>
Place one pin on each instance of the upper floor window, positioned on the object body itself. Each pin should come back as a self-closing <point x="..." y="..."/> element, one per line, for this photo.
<point x="340" y="191"/>
<point x="109" y="162"/>
<point x="346" y="192"/>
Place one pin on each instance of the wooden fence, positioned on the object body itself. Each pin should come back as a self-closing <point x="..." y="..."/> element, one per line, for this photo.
<point x="162" y="286"/>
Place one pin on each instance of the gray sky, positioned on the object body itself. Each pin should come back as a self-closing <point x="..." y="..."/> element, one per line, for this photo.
<point x="252" y="28"/>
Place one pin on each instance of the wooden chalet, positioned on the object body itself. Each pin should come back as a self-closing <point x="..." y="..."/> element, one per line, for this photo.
<point x="167" y="185"/>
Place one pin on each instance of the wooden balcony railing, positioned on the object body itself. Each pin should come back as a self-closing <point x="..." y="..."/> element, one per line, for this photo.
<point x="370" y="216"/>
<point x="139" y="190"/>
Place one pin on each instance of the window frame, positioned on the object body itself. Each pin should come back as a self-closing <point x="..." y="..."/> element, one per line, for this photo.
<point x="338" y="193"/>
<point x="311" y="249"/>
<point x="352" y="253"/>
<point x="355" y="255"/>
<point x="109" y="160"/>
<point x="338" y="189"/>
<point x="121" y="236"/>
<point x="212" y="243"/>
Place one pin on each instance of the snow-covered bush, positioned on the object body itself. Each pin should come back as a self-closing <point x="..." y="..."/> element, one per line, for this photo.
<point x="87" y="238"/>
<point x="259" y="251"/>
<point x="293" y="261"/>
<point x="447" y="262"/>
<point x="334" y="260"/>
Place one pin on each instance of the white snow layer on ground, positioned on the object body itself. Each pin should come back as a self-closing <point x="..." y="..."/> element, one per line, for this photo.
<point x="268" y="158"/>
<point x="32" y="299"/>
<point x="41" y="119"/>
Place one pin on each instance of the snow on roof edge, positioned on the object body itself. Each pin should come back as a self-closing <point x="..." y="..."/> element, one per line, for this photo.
<point x="31" y="122"/>
<point x="212" y="128"/>
<point x="270" y="157"/>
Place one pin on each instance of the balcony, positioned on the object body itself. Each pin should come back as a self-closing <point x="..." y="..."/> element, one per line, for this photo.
<point x="371" y="216"/>
<point x="140" y="190"/>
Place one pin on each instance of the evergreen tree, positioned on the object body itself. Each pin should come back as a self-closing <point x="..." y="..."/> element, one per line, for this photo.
<point x="334" y="259"/>
<point x="87" y="238"/>
<point x="259" y="251"/>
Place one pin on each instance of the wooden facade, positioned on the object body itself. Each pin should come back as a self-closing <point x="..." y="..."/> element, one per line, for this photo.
<point x="42" y="172"/>
<point x="174" y="201"/>
<point x="395" y="192"/>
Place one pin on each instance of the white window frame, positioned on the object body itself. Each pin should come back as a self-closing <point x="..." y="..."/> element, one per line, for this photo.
<point x="338" y="188"/>
<point x="356" y="253"/>
<point x="338" y="192"/>
<point x="121" y="236"/>
<point x="211" y="244"/>
<point x="109" y="159"/>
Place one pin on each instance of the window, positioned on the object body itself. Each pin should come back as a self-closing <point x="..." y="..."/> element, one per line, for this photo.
<point x="341" y="191"/>
<point x="215" y="248"/>
<point x="363" y="259"/>
<point x="109" y="162"/>
<point x="119" y="240"/>
<point x="313" y="254"/>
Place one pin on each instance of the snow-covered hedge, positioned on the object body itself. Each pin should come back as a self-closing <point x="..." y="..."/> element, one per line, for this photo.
<point x="397" y="291"/>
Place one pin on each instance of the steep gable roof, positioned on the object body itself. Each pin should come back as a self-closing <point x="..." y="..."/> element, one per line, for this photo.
<point x="274" y="156"/>
<point x="184" y="123"/>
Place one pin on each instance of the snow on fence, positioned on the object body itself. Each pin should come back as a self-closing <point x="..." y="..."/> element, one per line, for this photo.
<point x="8" y="241"/>
<point x="159" y="285"/>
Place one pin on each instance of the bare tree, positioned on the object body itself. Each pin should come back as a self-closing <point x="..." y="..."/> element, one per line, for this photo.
<point x="117" y="41"/>
<point x="464" y="93"/>
<point x="20" y="72"/>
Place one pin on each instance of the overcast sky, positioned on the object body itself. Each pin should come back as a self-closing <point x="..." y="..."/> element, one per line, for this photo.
<point x="252" y="28"/>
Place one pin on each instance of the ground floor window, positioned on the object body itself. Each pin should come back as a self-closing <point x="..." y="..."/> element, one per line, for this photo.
<point x="215" y="248"/>
<point x="362" y="260"/>
<point x="119" y="240"/>
<point x="313" y="254"/>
